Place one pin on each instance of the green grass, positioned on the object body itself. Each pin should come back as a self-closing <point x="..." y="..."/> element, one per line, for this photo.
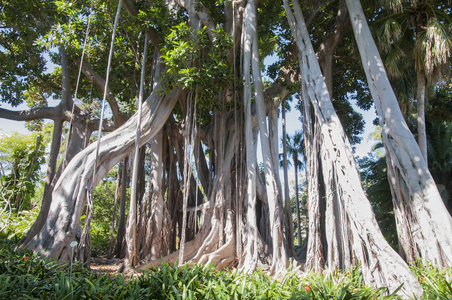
<point x="26" y="276"/>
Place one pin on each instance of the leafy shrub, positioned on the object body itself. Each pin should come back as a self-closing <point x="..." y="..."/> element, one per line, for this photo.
<point x="437" y="284"/>
<point x="24" y="275"/>
<point x="16" y="225"/>
<point x="21" y="156"/>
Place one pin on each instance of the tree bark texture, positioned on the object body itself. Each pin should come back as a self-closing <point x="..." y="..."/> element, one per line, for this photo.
<point x="423" y="223"/>
<point x="279" y="261"/>
<point x="351" y="229"/>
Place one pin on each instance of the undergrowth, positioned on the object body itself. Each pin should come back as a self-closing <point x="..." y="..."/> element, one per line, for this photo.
<point x="24" y="275"/>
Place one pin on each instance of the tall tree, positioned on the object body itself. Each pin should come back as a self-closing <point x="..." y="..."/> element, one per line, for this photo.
<point x="424" y="225"/>
<point x="349" y="227"/>
<point x="30" y="34"/>
<point x="206" y="200"/>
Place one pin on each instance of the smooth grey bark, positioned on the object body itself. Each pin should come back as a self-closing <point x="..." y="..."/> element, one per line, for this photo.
<point x="187" y="160"/>
<point x="49" y="184"/>
<point x="351" y="229"/>
<point x="206" y="247"/>
<point x="131" y="233"/>
<point x="113" y="218"/>
<point x="54" y="150"/>
<point x="279" y="259"/>
<point x="423" y="223"/>
<point x="155" y="225"/>
<point x="251" y="249"/>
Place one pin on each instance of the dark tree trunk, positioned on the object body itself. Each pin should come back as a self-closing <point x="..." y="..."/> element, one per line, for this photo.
<point x="120" y="237"/>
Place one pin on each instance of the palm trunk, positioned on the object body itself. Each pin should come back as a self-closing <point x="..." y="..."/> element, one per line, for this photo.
<point x="421" y="131"/>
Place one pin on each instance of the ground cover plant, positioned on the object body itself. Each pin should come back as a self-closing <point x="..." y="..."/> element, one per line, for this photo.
<point x="24" y="275"/>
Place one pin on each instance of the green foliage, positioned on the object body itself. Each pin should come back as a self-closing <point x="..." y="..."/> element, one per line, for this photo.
<point x="25" y="275"/>
<point x="373" y="170"/>
<point x="440" y="104"/>
<point x="437" y="284"/>
<point x="439" y="141"/>
<point x="413" y="37"/>
<point x="16" y="225"/>
<point x="21" y="159"/>
<point x="197" y="64"/>
<point x="21" y="59"/>
<point x="158" y="17"/>
<point x="104" y="200"/>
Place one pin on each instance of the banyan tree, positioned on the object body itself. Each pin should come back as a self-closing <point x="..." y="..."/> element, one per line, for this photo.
<point x="208" y="118"/>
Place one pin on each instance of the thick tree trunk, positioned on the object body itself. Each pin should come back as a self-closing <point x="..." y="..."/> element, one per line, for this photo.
<point x="131" y="234"/>
<point x="69" y="196"/>
<point x="352" y="231"/>
<point x="206" y="246"/>
<point x="187" y="173"/>
<point x="155" y="226"/>
<point x="75" y="145"/>
<point x="279" y="261"/>
<point x="49" y="184"/>
<point x="315" y="257"/>
<point x="251" y="250"/>
<point x="423" y="223"/>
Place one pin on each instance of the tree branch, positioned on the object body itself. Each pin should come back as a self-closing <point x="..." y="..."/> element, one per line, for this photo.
<point x="154" y="38"/>
<point x="201" y="13"/>
<point x="118" y="118"/>
<point x="29" y="115"/>
<point x="334" y="36"/>
<point x="130" y="6"/>
<point x="151" y="32"/>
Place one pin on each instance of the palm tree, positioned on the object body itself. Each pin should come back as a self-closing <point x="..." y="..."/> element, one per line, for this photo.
<point x="295" y="146"/>
<point x="416" y="35"/>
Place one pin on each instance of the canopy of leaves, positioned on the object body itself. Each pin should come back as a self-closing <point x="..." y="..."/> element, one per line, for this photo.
<point x="198" y="65"/>
<point x="23" y="62"/>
